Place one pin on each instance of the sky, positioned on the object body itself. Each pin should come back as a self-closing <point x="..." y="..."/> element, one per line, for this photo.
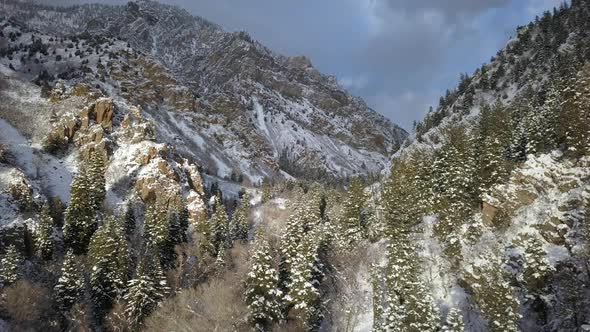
<point x="398" y="55"/>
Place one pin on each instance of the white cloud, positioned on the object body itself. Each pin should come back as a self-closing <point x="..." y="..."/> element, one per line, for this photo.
<point x="354" y="83"/>
<point x="404" y="107"/>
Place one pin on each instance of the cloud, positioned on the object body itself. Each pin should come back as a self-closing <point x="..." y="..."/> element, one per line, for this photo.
<point x="354" y="83"/>
<point x="407" y="106"/>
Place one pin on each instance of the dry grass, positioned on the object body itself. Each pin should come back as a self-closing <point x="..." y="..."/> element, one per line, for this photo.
<point x="116" y="320"/>
<point x="212" y="306"/>
<point x="78" y="319"/>
<point x="274" y="220"/>
<point x="348" y="299"/>
<point x="215" y="305"/>
<point x="27" y="304"/>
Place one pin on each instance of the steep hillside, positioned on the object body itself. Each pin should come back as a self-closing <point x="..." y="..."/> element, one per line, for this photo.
<point x="237" y="106"/>
<point x="486" y="205"/>
<point x="118" y="124"/>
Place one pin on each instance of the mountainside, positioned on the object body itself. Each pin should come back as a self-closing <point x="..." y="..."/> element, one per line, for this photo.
<point x="130" y="137"/>
<point x="487" y="203"/>
<point x="237" y="106"/>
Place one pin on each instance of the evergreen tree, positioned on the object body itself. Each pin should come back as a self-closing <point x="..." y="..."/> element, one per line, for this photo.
<point x="574" y="118"/>
<point x="240" y="226"/>
<point x="219" y="227"/>
<point x="306" y="274"/>
<point x="205" y="239"/>
<point x="44" y="234"/>
<point x="220" y="259"/>
<point x="80" y="215"/>
<point x="9" y="265"/>
<point x="408" y="306"/>
<point x="70" y="285"/>
<point x="523" y="109"/>
<point x="493" y="142"/>
<point x="183" y="222"/>
<point x="455" y="191"/>
<point x="156" y="229"/>
<point x="495" y="297"/>
<point x="262" y="293"/>
<point x="304" y="218"/>
<point x="130" y="222"/>
<point x="407" y="195"/>
<point x="108" y="255"/>
<point x="536" y="266"/>
<point x="146" y="290"/>
<point x="355" y="212"/>
<point x="96" y="170"/>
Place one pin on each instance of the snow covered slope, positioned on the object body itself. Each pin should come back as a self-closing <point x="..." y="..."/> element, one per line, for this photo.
<point x="235" y="106"/>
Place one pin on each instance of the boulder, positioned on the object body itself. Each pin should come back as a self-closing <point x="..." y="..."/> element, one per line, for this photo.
<point x="568" y="185"/>
<point x="135" y="127"/>
<point x="525" y="197"/>
<point x="81" y="90"/>
<point x="489" y="211"/>
<point x="103" y="110"/>
<point x="197" y="210"/>
<point x="152" y="153"/>
<point x="158" y="181"/>
<point x="85" y="117"/>
<point x="195" y="180"/>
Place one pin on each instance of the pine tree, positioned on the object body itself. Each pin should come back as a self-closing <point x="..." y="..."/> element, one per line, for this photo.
<point x="306" y="273"/>
<point x="220" y="262"/>
<point x="219" y="227"/>
<point x="574" y="118"/>
<point x="541" y="130"/>
<point x="406" y="304"/>
<point x="262" y="293"/>
<point x="495" y="297"/>
<point x="109" y="256"/>
<point x="205" y="239"/>
<point x="9" y="265"/>
<point x="130" y="222"/>
<point x="304" y="218"/>
<point x="70" y="285"/>
<point x="408" y="194"/>
<point x="355" y="212"/>
<point x="183" y="222"/>
<point x="96" y="170"/>
<point x="492" y="145"/>
<point x="454" y="321"/>
<point x="156" y="225"/>
<point x="44" y="234"/>
<point x="80" y="215"/>
<point x="239" y="226"/>
<point x="146" y="290"/>
<point x="455" y="191"/>
<point x="536" y="266"/>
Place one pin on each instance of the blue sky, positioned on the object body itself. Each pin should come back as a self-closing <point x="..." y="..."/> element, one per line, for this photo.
<point x="399" y="55"/>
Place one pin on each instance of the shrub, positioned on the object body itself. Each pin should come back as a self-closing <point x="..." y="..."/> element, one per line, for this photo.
<point x="54" y="143"/>
<point x="27" y="304"/>
<point x="214" y="306"/>
<point x="22" y="194"/>
<point x="5" y="155"/>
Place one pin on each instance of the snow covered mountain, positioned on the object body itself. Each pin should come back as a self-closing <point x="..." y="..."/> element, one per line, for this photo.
<point x="490" y="194"/>
<point x="224" y="99"/>
<point x="118" y="123"/>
